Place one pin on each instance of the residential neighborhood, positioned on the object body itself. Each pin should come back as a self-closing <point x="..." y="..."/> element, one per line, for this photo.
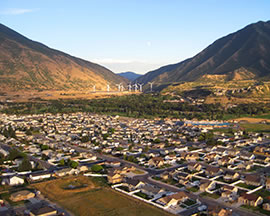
<point x="182" y="167"/>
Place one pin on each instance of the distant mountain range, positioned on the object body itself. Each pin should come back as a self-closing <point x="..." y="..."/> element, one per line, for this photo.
<point x="26" y="64"/>
<point x="130" y="75"/>
<point x="242" y="55"/>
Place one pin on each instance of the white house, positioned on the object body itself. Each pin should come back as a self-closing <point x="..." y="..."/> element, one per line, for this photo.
<point x="12" y="181"/>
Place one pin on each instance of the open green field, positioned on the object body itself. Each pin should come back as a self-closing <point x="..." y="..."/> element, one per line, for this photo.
<point x="259" y="128"/>
<point x="95" y="199"/>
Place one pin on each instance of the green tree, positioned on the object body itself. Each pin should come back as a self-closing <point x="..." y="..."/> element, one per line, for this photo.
<point x="25" y="165"/>
<point x="96" y="168"/>
<point x="73" y="164"/>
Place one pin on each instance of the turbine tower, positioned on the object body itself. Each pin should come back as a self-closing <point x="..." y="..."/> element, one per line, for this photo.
<point x="141" y="85"/>
<point x="151" y="86"/>
<point x="108" y="87"/>
<point x="135" y="87"/>
<point x="129" y="87"/>
<point x="94" y="88"/>
<point x="119" y="86"/>
<point x="122" y="87"/>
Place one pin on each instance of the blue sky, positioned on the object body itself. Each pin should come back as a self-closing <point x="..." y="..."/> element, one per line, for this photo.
<point x="131" y="35"/>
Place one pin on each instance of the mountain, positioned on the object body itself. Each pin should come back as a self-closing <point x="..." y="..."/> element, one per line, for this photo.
<point x="129" y="75"/>
<point x="242" y="55"/>
<point x="26" y="64"/>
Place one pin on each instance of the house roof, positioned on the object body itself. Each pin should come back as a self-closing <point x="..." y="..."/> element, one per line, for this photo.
<point x="253" y="178"/>
<point x="43" y="210"/>
<point x="178" y="196"/>
<point x="250" y="197"/>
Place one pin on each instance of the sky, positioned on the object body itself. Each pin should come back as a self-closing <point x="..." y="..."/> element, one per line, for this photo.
<point x="131" y="35"/>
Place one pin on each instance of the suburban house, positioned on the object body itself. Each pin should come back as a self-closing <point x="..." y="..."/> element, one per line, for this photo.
<point x="133" y="184"/>
<point x="182" y="178"/>
<point x="193" y="166"/>
<point x="43" y="211"/>
<point x="40" y="176"/>
<point x="229" y="192"/>
<point x="114" y="178"/>
<point x="250" y="199"/>
<point x="231" y="175"/>
<point x="206" y="185"/>
<point x="266" y="205"/>
<point x="213" y="171"/>
<point x="267" y="184"/>
<point x="156" y="162"/>
<point x="254" y="180"/>
<point x="174" y="199"/>
<point x="13" y="181"/>
<point x="21" y="195"/>
<point x="152" y="191"/>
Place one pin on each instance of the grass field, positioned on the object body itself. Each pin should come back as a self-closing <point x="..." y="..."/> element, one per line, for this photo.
<point x="96" y="199"/>
<point x="259" y="128"/>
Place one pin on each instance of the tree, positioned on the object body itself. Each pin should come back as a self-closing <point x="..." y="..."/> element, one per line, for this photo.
<point x="62" y="162"/>
<point x="44" y="147"/>
<point x="25" y="165"/>
<point x="85" y="139"/>
<point x="96" y="168"/>
<point x="73" y="164"/>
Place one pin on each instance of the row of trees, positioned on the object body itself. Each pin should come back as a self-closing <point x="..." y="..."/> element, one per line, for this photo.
<point x="144" y="105"/>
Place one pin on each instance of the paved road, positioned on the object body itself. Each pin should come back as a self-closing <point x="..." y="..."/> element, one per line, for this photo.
<point x="146" y="178"/>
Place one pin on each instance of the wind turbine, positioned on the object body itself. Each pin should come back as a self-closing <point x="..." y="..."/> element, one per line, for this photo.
<point x="129" y="87"/>
<point x="119" y="86"/>
<point x="151" y="85"/>
<point x="108" y="87"/>
<point x="135" y="87"/>
<point x="94" y="88"/>
<point x="122" y="87"/>
<point x="141" y="85"/>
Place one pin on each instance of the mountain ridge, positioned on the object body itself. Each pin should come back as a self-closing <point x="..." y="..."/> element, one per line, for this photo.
<point x="25" y="64"/>
<point x="131" y="76"/>
<point x="247" y="48"/>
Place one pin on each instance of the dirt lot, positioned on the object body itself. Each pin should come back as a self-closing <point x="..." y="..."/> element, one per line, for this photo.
<point x="94" y="199"/>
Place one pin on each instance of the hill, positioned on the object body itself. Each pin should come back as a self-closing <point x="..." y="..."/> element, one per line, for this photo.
<point x="129" y="75"/>
<point x="26" y="64"/>
<point x="242" y="55"/>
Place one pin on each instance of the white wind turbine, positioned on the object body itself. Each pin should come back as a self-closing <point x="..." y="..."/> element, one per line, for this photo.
<point x="151" y="86"/>
<point x="129" y="87"/>
<point x="122" y="87"/>
<point x="108" y="87"/>
<point x="119" y="86"/>
<point x="94" y="88"/>
<point x="141" y="85"/>
<point x="135" y="87"/>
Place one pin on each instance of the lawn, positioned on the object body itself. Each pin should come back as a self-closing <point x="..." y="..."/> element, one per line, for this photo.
<point x="189" y="202"/>
<point x="258" y="128"/>
<point x="263" y="193"/>
<point x="256" y="209"/>
<point x="193" y="189"/>
<point x="214" y="195"/>
<point x="243" y="185"/>
<point x="94" y="199"/>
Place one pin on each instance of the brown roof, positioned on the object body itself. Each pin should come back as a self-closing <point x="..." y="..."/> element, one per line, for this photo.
<point x="178" y="196"/>
<point x="253" y="178"/>
<point x="250" y="197"/>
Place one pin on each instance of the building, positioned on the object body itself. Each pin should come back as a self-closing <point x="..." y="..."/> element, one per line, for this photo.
<point x="13" y="181"/>
<point x="21" y="195"/>
<point x="43" y="211"/>
<point x="250" y="199"/>
<point x="174" y="199"/>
